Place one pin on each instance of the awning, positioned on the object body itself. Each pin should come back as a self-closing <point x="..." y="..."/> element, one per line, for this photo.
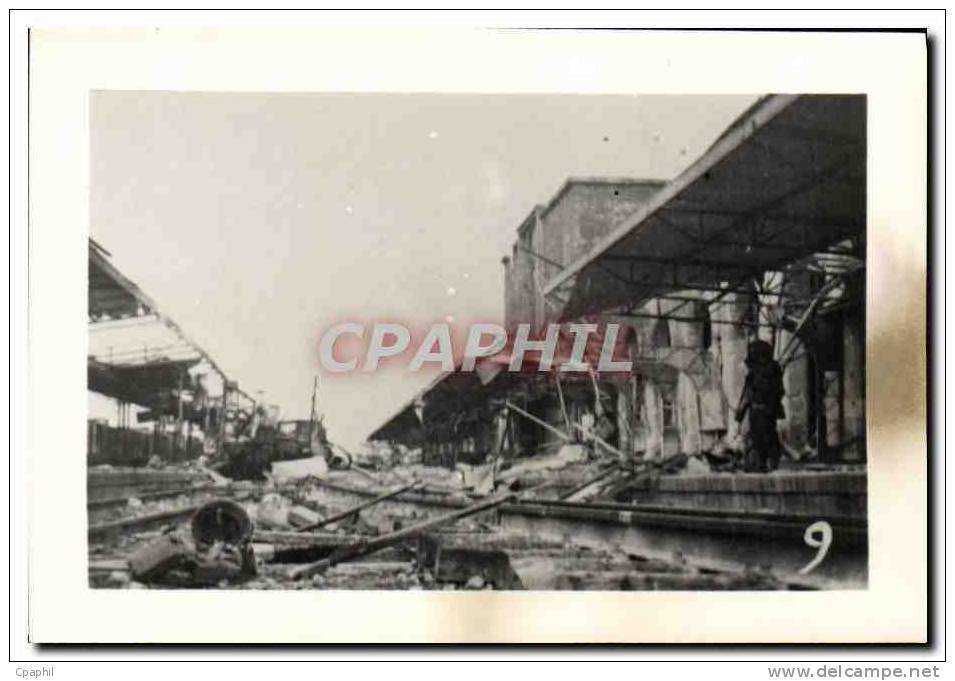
<point x="448" y="392"/>
<point x="113" y="297"/>
<point x="786" y="180"/>
<point x="461" y="391"/>
<point x="111" y="294"/>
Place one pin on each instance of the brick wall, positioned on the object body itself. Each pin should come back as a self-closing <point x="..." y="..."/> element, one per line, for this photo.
<point x="568" y="226"/>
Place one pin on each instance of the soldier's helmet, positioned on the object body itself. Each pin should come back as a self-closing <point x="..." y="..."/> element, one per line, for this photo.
<point x="759" y="352"/>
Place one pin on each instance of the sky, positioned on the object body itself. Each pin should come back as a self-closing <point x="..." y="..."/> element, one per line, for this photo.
<point x="256" y="221"/>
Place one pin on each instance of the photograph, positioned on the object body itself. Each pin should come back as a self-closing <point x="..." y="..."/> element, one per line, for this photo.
<point x="519" y="335"/>
<point x="431" y="341"/>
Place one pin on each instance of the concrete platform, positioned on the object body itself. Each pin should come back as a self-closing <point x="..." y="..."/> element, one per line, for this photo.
<point x="824" y="495"/>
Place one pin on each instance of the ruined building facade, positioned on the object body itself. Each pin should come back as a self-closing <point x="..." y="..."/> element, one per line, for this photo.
<point x="763" y="237"/>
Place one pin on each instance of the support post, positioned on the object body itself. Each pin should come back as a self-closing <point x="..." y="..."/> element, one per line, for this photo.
<point x="563" y="405"/>
<point x="178" y="438"/>
<point x="360" y="507"/>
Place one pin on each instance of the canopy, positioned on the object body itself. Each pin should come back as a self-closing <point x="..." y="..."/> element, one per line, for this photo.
<point x="145" y="384"/>
<point x="786" y="180"/>
<point x="147" y="351"/>
<point x="111" y="294"/>
<point x="462" y="390"/>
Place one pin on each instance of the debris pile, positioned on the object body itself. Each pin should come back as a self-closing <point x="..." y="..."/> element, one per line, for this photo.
<point x="305" y="536"/>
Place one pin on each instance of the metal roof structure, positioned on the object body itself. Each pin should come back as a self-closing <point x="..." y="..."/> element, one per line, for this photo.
<point x="784" y="185"/>
<point x="455" y="390"/>
<point x="147" y="353"/>
<point x="785" y="181"/>
<point x="112" y="295"/>
<point x="147" y="384"/>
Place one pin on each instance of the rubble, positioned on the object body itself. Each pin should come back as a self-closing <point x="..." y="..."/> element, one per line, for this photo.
<point x="218" y="549"/>
<point x="568" y="454"/>
<point x="285" y="471"/>
<point x="305" y="536"/>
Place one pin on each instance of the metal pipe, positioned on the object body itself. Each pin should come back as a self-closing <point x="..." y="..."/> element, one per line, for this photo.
<point x="360" y="507"/>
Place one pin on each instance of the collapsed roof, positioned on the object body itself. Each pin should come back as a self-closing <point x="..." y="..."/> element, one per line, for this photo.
<point x="136" y="370"/>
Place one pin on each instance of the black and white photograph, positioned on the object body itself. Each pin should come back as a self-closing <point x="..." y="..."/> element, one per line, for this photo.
<point x="666" y="390"/>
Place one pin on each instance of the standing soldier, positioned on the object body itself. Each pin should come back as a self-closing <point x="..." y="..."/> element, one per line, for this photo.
<point x="762" y="399"/>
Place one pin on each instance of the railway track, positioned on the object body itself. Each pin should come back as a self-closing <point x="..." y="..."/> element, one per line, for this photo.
<point x="708" y="540"/>
<point x="711" y="539"/>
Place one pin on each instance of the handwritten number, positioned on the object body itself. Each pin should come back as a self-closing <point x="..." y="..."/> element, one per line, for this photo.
<point x="819" y="536"/>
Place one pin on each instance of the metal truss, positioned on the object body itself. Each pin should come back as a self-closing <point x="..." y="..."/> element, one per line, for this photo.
<point x="752" y="221"/>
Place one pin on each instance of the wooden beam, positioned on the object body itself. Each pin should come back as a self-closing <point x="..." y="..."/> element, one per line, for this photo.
<point x="559" y="433"/>
<point x="365" y="547"/>
<point x="360" y="507"/>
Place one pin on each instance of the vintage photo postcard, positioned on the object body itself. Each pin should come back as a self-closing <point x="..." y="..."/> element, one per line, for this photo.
<point x="655" y="347"/>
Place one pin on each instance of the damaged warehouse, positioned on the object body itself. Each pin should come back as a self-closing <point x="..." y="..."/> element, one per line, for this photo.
<point x="672" y="475"/>
<point x="741" y="247"/>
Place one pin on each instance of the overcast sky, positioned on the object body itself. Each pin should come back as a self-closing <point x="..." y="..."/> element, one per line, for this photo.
<point x="258" y="220"/>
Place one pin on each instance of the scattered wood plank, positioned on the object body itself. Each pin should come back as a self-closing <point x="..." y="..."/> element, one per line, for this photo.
<point x="360" y="507"/>
<point x="543" y="424"/>
<point x="364" y="547"/>
<point x="600" y="441"/>
<point x="361" y="471"/>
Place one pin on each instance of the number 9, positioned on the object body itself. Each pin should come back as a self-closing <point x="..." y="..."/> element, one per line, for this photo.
<point x="822" y="542"/>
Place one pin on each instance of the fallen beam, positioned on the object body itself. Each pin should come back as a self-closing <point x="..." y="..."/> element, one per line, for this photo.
<point x="600" y="441"/>
<point x="365" y="547"/>
<point x="543" y="424"/>
<point x="360" y="507"/>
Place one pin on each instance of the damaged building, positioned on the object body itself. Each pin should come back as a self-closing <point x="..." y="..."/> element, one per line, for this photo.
<point x="551" y="479"/>
<point x="173" y="402"/>
<point x="762" y="238"/>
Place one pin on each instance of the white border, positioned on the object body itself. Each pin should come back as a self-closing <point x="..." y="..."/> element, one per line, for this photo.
<point x="587" y="59"/>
